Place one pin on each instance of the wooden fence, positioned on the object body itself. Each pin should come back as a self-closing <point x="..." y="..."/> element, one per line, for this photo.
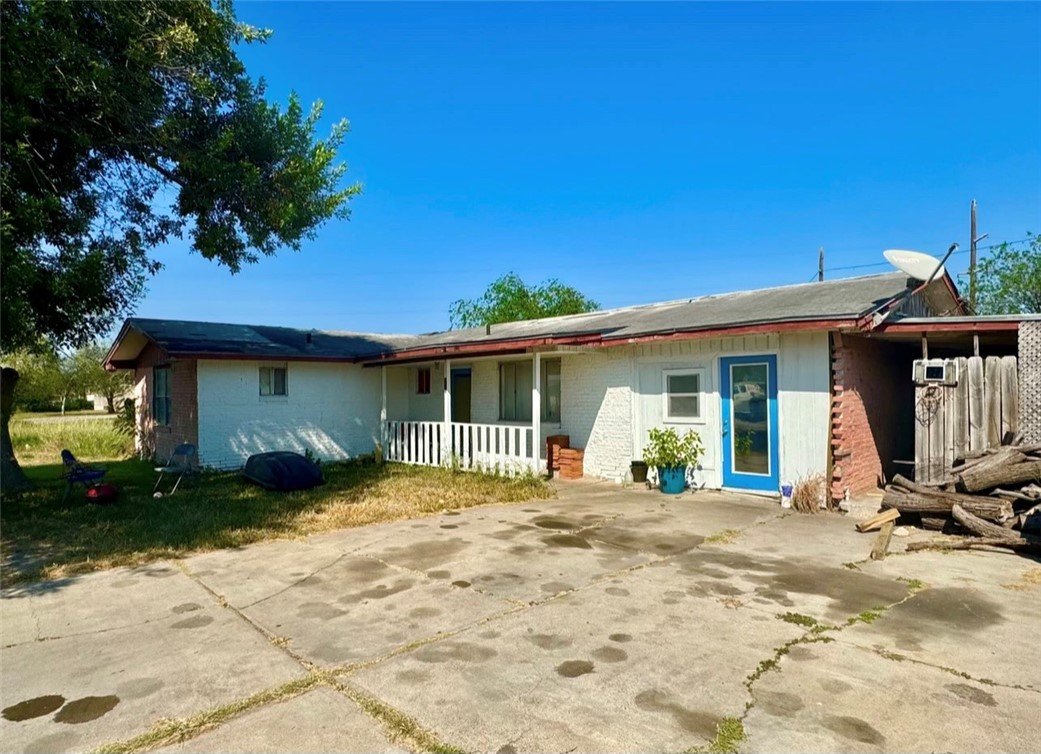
<point x="974" y="414"/>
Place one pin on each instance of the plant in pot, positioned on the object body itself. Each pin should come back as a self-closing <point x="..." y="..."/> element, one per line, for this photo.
<point x="671" y="455"/>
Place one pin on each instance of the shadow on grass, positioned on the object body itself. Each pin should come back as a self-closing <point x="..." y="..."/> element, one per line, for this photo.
<point x="46" y="539"/>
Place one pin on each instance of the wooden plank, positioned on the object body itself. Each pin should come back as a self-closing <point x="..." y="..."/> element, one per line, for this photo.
<point x="950" y="418"/>
<point x="934" y="405"/>
<point x="878" y="552"/>
<point x="977" y="427"/>
<point x="958" y="427"/>
<point x="1009" y="396"/>
<point x="992" y="400"/>
<point x="876" y="522"/>
<point x="921" y="439"/>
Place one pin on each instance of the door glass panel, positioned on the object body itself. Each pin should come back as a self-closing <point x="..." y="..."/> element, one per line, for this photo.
<point x="751" y="419"/>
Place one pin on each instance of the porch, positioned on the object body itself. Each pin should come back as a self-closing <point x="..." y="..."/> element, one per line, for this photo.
<point x="428" y="411"/>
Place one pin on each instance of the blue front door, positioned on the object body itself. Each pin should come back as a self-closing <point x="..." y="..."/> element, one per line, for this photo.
<point x="748" y="386"/>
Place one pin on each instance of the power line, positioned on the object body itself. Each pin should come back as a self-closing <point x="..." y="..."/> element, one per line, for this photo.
<point x="885" y="264"/>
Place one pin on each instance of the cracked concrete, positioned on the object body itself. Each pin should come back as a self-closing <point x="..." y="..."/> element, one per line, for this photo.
<point x="600" y="621"/>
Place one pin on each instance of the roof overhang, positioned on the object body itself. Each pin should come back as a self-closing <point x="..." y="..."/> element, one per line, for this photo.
<point x="126" y="348"/>
<point x="598" y="340"/>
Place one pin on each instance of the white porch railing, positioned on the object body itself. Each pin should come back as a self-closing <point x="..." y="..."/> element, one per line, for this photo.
<point x="507" y="448"/>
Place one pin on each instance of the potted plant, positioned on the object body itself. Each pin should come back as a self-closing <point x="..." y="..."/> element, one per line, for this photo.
<point x="671" y="455"/>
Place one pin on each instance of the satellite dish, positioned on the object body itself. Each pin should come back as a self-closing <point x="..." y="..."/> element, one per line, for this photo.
<point x="916" y="264"/>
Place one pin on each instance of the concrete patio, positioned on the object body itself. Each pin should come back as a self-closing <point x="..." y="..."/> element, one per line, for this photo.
<point x="608" y="619"/>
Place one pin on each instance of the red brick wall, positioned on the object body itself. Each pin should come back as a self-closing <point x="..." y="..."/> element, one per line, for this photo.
<point x="872" y="415"/>
<point x="153" y="440"/>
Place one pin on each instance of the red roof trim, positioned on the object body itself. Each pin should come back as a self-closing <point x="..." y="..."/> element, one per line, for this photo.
<point x="491" y="348"/>
<point x="942" y="325"/>
<point x="761" y="329"/>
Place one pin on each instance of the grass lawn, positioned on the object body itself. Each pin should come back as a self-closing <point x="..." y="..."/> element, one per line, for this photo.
<point x="40" y="438"/>
<point x="45" y="539"/>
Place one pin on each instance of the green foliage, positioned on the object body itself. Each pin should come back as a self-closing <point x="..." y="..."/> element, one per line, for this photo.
<point x="125" y="422"/>
<point x="126" y="125"/>
<point x="667" y="449"/>
<point x="92" y="378"/>
<point x="88" y="439"/>
<point x="510" y="299"/>
<point x="1008" y="280"/>
<point x="743" y="441"/>
<point x="799" y="619"/>
<point x="51" y="381"/>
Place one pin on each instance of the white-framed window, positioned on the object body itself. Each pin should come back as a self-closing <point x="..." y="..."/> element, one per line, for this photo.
<point x="683" y="395"/>
<point x="274" y="381"/>
<point x="515" y="390"/>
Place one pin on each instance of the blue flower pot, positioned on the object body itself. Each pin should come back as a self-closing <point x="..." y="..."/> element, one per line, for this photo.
<point x="672" y="479"/>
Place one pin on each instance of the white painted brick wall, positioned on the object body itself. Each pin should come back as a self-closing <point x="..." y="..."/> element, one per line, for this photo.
<point x="331" y="409"/>
<point x="596" y="409"/>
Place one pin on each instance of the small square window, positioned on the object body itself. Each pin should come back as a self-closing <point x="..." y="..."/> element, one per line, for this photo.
<point x="423" y="381"/>
<point x="273" y="381"/>
<point x="683" y="395"/>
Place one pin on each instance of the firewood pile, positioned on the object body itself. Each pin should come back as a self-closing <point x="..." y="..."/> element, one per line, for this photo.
<point x="992" y="497"/>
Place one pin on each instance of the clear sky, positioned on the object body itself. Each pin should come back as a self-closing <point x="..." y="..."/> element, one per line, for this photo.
<point x="640" y="152"/>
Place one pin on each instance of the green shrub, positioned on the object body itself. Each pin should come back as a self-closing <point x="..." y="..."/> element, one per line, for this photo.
<point x="667" y="449"/>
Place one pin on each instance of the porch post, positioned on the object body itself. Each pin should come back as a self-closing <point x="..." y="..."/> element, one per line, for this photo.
<point x="446" y="429"/>
<point x="536" y="410"/>
<point x="383" y="412"/>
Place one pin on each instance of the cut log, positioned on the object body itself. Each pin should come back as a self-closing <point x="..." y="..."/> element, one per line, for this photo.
<point x="936" y="501"/>
<point x="878" y="552"/>
<point x="975" y="543"/>
<point x="876" y="522"/>
<point x="944" y="524"/>
<point x="977" y="478"/>
<point x="978" y="526"/>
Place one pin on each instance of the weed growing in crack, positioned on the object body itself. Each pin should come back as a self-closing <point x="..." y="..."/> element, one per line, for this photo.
<point x="868" y="616"/>
<point x="915" y="585"/>
<point x="799" y="619"/>
<point x="851" y="566"/>
<point x="724" y="537"/>
<point x="730" y="732"/>
<point x="173" y="731"/>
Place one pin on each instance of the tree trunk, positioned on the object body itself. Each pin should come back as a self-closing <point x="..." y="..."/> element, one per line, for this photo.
<point x="12" y="478"/>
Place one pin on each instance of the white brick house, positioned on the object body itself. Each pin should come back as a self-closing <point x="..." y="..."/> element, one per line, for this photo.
<point x="751" y="372"/>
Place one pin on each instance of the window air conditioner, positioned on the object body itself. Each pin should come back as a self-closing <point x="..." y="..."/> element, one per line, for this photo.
<point x="935" y="372"/>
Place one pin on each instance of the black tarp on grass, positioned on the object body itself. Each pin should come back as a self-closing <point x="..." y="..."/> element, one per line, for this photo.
<point x="283" y="471"/>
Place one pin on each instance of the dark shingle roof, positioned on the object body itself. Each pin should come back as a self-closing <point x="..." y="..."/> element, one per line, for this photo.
<point x="847" y="298"/>
<point x="843" y="299"/>
<point x="263" y="341"/>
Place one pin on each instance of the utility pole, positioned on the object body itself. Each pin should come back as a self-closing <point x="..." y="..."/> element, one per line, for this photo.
<point x="973" y="240"/>
<point x="820" y="265"/>
<point x="972" y="256"/>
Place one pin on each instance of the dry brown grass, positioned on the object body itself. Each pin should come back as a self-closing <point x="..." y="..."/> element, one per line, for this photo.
<point x="808" y="494"/>
<point x="1030" y="579"/>
<point x="43" y="538"/>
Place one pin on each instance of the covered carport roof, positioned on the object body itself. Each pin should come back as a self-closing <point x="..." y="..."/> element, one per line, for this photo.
<point x="1000" y="330"/>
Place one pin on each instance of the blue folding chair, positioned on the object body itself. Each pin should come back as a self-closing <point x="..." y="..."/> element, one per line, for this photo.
<point x="77" y="473"/>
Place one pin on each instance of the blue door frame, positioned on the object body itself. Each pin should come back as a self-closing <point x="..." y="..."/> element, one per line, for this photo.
<point x="732" y="477"/>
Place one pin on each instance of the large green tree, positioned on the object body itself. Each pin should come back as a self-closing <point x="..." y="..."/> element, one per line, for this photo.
<point x="126" y="124"/>
<point x="510" y="299"/>
<point x="1008" y="280"/>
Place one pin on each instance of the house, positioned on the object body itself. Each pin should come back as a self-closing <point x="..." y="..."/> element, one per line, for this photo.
<point x="780" y="383"/>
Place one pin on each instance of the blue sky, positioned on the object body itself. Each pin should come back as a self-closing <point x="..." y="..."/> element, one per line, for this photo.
<point x="638" y="152"/>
